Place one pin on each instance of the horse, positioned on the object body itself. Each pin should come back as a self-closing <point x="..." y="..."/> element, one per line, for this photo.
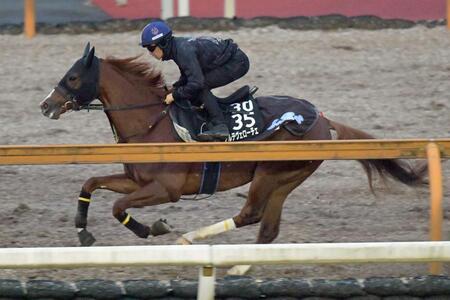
<point x="131" y="92"/>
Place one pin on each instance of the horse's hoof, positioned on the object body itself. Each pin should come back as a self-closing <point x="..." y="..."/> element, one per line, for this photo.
<point x="86" y="238"/>
<point x="183" y="241"/>
<point x="160" y="227"/>
<point x="239" y="270"/>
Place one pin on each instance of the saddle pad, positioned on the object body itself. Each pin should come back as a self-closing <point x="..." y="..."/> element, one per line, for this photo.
<point x="252" y="120"/>
<point x="243" y="119"/>
<point x="297" y="116"/>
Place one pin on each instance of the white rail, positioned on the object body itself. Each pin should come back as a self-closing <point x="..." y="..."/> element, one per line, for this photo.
<point x="223" y="255"/>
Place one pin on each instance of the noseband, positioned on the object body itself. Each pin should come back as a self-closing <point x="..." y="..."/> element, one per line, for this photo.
<point x="71" y="99"/>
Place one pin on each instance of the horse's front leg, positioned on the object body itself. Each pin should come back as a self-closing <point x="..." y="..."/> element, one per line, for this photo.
<point x="151" y="194"/>
<point x="118" y="183"/>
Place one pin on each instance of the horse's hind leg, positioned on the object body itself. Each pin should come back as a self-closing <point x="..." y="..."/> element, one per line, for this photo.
<point x="287" y="176"/>
<point x="118" y="183"/>
<point x="251" y="213"/>
<point x="267" y="178"/>
<point x="271" y="216"/>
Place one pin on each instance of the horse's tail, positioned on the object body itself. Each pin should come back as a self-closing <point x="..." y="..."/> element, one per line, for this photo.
<point x="394" y="168"/>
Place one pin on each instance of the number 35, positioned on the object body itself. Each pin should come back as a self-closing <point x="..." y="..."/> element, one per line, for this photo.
<point x="240" y="119"/>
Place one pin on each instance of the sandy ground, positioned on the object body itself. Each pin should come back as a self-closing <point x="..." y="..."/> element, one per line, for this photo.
<point x="391" y="83"/>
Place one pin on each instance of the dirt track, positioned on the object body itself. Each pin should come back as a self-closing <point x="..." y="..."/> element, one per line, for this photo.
<point x="391" y="83"/>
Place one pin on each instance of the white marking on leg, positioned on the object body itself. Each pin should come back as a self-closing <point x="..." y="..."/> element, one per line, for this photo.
<point x="209" y="231"/>
<point x="239" y="270"/>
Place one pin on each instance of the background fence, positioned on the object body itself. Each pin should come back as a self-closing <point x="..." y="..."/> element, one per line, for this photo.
<point x="387" y="9"/>
<point x="412" y="10"/>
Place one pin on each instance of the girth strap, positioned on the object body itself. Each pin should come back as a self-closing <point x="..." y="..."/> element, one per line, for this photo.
<point x="210" y="178"/>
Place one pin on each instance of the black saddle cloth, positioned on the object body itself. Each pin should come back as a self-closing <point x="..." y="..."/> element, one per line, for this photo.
<point x="248" y="118"/>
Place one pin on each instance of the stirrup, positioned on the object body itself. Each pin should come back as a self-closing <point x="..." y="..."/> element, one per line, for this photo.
<point x="210" y="135"/>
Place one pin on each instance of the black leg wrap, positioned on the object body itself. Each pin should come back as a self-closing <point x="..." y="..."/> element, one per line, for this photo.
<point x="122" y="217"/>
<point x="82" y="211"/>
<point x="83" y="207"/>
<point x="140" y="230"/>
<point x="85" y="195"/>
<point x="86" y="238"/>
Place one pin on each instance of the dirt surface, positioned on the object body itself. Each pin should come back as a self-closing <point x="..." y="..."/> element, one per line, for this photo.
<point x="391" y="83"/>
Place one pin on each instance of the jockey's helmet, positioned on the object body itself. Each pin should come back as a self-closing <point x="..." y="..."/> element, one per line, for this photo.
<point x="155" y="33"/>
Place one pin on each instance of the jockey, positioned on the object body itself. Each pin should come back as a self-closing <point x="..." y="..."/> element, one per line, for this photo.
<point x="205" y="63"/>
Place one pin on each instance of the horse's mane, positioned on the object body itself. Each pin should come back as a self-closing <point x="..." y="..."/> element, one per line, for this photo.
<point x="144" y="71"/>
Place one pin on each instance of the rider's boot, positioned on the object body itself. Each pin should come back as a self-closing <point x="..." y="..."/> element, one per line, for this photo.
<point x="219" y="130"/>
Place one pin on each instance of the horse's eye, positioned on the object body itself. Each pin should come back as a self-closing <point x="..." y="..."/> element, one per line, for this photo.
<point x="72" y="78"/>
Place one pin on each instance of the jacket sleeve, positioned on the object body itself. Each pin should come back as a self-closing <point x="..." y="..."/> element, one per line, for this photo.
<point x="181" y="81"/>
<point x="190" y="66"/>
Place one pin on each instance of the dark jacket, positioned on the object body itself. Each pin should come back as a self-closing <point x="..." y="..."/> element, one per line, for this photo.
<point x="195" y="57"/>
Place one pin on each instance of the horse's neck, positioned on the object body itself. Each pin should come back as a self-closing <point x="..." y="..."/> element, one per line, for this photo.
<point x="117" y="91"/>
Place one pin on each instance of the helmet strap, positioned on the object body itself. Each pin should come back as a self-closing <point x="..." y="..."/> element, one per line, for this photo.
<point x="165" y="42"/>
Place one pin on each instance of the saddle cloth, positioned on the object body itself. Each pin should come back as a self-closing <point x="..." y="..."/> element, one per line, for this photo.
<point x="248" y="118"/>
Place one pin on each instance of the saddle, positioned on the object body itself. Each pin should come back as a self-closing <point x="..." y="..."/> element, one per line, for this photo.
<point x="240" y="111"/>
<point x="247" y="118"/>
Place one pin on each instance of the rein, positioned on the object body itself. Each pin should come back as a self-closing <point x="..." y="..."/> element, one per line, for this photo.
<point x="116" y="108"/>
<point x="158" y="118"/>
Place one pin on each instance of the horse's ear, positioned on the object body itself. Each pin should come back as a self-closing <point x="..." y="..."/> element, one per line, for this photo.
<point x="86" y="49"/>
<point x="88" y="59"/>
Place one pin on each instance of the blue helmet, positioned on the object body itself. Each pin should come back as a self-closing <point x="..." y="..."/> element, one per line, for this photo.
<point x="155" y="32"/>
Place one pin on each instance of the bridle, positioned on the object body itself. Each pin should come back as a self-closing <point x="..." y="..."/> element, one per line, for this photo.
<point x="73" y="104"/>
<point x="75" y="99"/>
<point x="71" y="99"/>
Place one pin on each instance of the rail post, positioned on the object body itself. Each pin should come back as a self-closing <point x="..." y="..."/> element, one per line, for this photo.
<point x="183" y="8"/>
<point x="230" y="8"/>
<point x="435" y="174"/>
<point x="29" y="24"/>
<point x="166" y="9"/>
<point x="206" y="281"/>
<point x="448" y="14"/>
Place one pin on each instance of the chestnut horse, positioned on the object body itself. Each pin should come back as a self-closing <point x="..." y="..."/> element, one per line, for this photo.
<point x="131" y="93"/>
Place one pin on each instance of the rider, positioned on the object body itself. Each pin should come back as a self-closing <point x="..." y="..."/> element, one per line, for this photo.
<point x="204" y="62"/>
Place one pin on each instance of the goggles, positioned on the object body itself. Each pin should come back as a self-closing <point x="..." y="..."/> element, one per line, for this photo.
<point x="151" y="48"/>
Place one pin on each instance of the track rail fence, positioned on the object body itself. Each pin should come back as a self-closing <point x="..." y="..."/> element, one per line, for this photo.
<point x="211" y="256"/>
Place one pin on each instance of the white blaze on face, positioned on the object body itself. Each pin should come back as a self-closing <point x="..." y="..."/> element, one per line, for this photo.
<point x="45" y="106"/>
<point x="49" y="95"/>
<point x="45" y="99"/>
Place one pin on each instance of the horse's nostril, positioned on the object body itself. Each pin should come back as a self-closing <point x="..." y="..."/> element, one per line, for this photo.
<point x="44" y="105"/>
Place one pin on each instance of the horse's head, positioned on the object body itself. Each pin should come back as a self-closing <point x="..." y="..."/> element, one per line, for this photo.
<point x="77" y="88"/>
